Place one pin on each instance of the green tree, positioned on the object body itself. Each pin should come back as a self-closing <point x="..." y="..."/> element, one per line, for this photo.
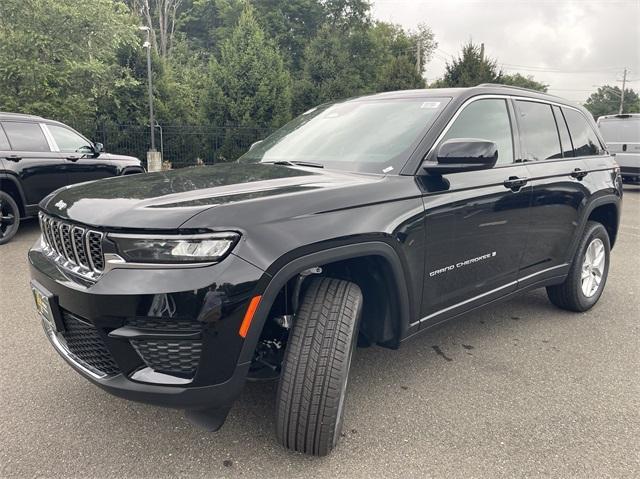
<point x="471" y="68"/>
<point x="606" y="101"/>
<point x="523" y="81"/>
<point x="58" y="57"/>
<point x="340" y="63"/>
<point x="249" y="86"/>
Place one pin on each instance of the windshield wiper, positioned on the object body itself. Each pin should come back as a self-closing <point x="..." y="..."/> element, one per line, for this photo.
<point x="295" y="163"/>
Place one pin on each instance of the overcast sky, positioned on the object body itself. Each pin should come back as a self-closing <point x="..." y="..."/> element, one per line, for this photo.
<point x="571" y="45"/>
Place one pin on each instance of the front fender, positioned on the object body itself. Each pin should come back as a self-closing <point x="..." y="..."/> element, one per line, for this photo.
<point x="277" y="276"/>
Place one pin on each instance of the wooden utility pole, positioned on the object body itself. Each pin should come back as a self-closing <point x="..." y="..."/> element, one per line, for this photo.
<point x="419" y="56"/>
<point x="624" y="81"/>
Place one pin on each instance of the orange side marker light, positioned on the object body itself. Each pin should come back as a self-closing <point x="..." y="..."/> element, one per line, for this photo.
<point x="248" y="316"/>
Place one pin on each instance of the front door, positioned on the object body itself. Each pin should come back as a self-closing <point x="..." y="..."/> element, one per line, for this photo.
<point x="82" y="164"/>
<point x="476" y="222"/>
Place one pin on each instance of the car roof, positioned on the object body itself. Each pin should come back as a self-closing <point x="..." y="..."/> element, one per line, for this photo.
<point x="7" y="116"/>
<point x="621" y="116"/>
<point x="19" y="116"/>
<point x="482" y="89"/>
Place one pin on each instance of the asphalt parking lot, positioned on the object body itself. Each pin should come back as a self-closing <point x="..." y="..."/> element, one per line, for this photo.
<point x="519" y="389"/>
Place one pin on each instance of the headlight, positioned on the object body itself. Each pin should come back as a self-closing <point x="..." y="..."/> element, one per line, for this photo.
<point x="174" y="249"/>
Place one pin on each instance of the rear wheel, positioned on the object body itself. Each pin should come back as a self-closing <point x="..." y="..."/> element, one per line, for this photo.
<point x="588" y="274"/>
<point x="9" y="217"/>
<point x="315" y="369"/>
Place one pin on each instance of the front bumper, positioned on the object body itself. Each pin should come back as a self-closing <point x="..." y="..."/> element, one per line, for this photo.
<point x="630" y="172"/>
<point x="167" y="337"/>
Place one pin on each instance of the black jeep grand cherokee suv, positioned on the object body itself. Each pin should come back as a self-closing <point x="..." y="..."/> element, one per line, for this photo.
<point x="373" y="218"/>
<point x="38" y="156"/>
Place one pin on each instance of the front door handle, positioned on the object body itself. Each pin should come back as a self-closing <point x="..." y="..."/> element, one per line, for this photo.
<point x="578" y="174"/>
<point x="73" y="158"/>
<point x="514" y="183"/>
<point x="14" y="158"/>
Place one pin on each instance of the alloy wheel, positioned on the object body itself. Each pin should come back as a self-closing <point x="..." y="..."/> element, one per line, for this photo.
<point x="593" y="267"/>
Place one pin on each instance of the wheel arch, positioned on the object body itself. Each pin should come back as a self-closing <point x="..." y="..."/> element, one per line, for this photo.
<point x="608" y="215"/>
<point x="11" y="186"/>
<point x="391" y="277"/>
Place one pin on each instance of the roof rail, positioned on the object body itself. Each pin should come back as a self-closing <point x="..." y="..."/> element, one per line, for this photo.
<point x="502" y="85"/>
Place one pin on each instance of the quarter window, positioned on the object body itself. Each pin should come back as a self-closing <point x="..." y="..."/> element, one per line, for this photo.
<point x="585" y="141"/>
<point x="25" y="136"/>
<point x="67" y="140"/>
<point x="486" y="120"/>
<point x="539" y="132"/>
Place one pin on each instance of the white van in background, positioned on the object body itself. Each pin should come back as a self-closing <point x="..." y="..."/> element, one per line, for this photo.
<point x="622" y="134"/>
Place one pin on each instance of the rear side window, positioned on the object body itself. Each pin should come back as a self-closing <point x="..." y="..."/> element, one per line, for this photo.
<point x="4" y="143"/>
<point x="486" y="120"/>
<point x="25" y="136"/>
<point x="67" y="140"/>
<point x="585" y="141"/>
<point x="538" y="131"/>
<point x="565" y="139"/>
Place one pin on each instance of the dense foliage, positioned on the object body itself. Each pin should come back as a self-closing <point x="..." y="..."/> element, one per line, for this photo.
<point x="241" y="67"/>
<point x="240" y="62"/>
<point x="473" y="67"/>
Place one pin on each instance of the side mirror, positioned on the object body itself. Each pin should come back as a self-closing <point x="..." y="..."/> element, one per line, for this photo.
<point x="463" y="154"/>
<point x="98" y="148"/>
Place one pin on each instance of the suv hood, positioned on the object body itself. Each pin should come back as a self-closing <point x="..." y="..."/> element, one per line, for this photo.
<point x="166" y="200"/>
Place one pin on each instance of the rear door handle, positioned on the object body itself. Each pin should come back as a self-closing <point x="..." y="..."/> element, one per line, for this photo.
<point x="514" y="183"/>
<point x="578" y="174"/>
<point x="14" y="158"/>
<point x="73" y="158"/>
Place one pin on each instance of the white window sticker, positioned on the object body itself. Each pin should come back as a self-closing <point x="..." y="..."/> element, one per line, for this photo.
<point x="388" y="169"/>
<point x="430" y="104"/>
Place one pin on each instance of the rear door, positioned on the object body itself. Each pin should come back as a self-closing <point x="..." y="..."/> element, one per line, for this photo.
<point x="40" y="170"/>
<point x="559" y="193"/>
<point x="82" y="163"/>
<point x="476" y="222"/>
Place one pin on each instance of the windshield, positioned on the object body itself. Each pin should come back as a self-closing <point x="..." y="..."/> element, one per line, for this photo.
<point x="621" y="131"/>
<point x="374" y="136"/>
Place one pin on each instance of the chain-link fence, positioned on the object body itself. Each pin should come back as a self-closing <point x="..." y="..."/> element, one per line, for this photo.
<point x="181" y="145"/>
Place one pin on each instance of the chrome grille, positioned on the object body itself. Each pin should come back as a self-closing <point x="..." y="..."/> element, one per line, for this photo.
<point x="74" y="247"/>
<point x="77" y="238"/>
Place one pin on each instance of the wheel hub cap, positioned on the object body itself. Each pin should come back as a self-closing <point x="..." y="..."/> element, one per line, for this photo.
<point x="593" y="267"/>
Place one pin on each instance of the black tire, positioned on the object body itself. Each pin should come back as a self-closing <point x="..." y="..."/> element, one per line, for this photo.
<point x="570" y="295"/>
<point x="316" y="365"/>
<point x="9" y="217"/>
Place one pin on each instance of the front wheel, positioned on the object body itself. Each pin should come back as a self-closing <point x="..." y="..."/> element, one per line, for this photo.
<point x="316" y="365"/>
<point x="9" y="217"/>
<point x="588" y="274"/>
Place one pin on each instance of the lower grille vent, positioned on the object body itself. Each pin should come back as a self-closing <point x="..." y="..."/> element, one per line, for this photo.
<point x="86" y="344"/>
<point x="170" y="357"/>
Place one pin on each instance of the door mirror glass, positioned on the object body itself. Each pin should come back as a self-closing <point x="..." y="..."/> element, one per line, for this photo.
<point x="463" y="154"/>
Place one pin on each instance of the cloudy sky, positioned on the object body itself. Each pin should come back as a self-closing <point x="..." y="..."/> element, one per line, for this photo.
<point x="571" y="45"/>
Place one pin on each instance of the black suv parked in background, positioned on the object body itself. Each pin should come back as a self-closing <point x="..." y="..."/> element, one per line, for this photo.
<point x="363" y="221"/>
<point x="38" y="156"/>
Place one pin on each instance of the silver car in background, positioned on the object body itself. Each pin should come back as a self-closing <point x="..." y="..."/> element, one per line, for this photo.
<point x="622" y="135"/>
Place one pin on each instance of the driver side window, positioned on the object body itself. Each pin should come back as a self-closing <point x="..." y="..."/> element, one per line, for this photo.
<point x="486" y="120"/>
<point x="68" y="141"/>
